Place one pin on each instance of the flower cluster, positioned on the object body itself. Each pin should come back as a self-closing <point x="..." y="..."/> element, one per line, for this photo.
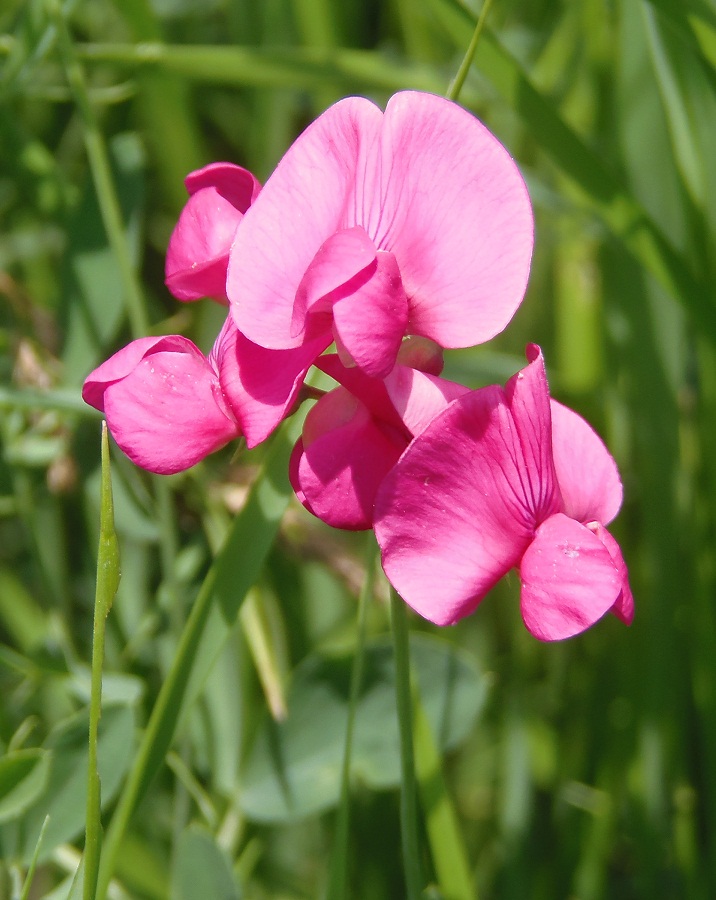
<point x="391" y="236"/>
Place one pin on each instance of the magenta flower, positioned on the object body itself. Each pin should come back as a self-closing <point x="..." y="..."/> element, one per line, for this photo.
<point x="163" y="403"/>
<point x="168" y="406"/>
<point x="356" y="433"/>
<point x="198" y="252"/>
<point x="376" y="225"/>
<point x="506" y="478"/>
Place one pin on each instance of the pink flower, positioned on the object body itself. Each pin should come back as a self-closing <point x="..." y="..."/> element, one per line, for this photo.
<point x="163" y="403"/>
<point x="356" y="433"/>
<point x="198" y="252"/>
<point x="376" y="225"/>
<point x="168" y="406"/>
<point x="505" y="478"/>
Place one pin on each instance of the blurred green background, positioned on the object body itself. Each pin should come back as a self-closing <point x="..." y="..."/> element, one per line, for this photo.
<point x="579" y="770"/>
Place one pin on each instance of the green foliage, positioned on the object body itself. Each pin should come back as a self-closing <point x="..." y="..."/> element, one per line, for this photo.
<point x="588" y="769"/>
<point x="294" y="767"/>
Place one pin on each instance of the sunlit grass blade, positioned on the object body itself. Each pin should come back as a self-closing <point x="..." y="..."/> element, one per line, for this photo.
<point x="212" y="616"/>
<point x="107" y="583"/>
<point x="264" y="652"/>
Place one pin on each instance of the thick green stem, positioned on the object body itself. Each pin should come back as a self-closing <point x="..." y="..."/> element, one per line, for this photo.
<point x="408" y="796"/>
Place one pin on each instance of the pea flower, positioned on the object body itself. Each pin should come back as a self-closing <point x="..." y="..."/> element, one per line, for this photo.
<point x="503" y="478"/>
<point x="163" y="403"/>
<point x="356" y="433"/>
<point x="167" y="405"/>
<point x="198" y="252"/>
<point x="376" y="225"/>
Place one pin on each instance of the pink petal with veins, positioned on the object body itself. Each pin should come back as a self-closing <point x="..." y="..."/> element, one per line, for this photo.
<point x="301" y="206"/>
<point x="451" y="205"/>
<point x="455" y="514"/>
<point x="427" y="184"/>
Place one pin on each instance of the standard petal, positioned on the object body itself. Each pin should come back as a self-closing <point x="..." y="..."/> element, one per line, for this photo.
<point x="260" y="385"/>
<point x="587" y="474"/>
<point x="168" y="413"/>
<point x="569" y="580"/>
<point x="369" y="322"/>
<point x="301" y="205"/>
<point x="120" y="364"/>
<point x="344" y="457"/>
<point x="450" y="203"/>
<point x="624" y="607"/>
<point x="453" y="517"/>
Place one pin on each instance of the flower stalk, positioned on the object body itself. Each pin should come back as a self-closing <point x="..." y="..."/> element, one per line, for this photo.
<point x="408" y="795"/>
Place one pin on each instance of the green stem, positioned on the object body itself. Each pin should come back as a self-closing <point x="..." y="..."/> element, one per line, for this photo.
<point x="101" y="174"/>
<point x="408" y="797"/>
<point x="338" y="875"/>
<point x="107" y="583"/>
<point x="458" y="81"/>
<point x="93" y="836"/>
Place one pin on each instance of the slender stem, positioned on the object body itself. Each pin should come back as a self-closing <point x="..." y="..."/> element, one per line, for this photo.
<point x="107" y="583"/>
<point x="93" y="826"/>
<point x="338" y="875"/>
<point x="458" y="81"/>
<point x="101" y="174"/>
<point x="408" y="796"/>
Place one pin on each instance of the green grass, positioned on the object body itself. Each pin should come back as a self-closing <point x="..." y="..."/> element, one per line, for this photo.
<point x="586" y="769"/>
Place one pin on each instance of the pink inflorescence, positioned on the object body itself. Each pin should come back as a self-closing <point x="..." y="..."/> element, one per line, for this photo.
<point x="392" y="236"/>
